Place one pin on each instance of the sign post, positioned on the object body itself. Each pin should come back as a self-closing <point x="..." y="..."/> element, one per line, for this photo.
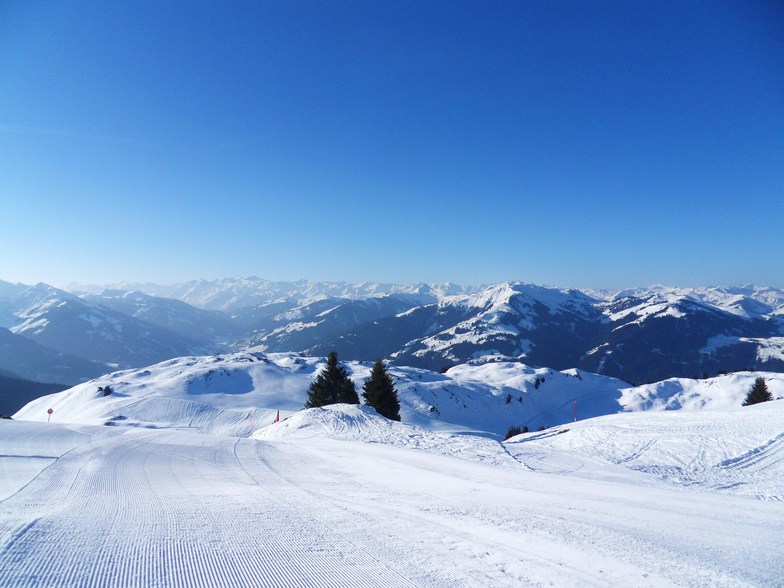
<point x="49" y="415"/>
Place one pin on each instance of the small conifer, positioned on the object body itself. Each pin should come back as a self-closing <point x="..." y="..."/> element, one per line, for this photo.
<point x="512" y="431"/>
<point x="758" y="393"/>
<point x="332" y="385"/>
<point x="379" y="392"/>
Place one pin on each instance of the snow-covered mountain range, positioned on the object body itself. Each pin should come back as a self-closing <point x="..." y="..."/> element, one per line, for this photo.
<point x="640" y="335"/>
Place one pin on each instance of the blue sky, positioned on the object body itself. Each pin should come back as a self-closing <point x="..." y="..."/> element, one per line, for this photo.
<point x="585" y="144"/>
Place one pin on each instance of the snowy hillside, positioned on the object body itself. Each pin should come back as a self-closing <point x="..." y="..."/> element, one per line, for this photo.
<point x="347" y="422"/>
<point x="27" y="359"/>
<point x="218" y="394"/>
<point x="167" y="483"/>
<point x="746" y="301"/>
<point x="174" y="315"/>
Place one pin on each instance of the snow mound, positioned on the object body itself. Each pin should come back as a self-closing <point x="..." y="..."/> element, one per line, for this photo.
<point x="351" y="422"/>
<point x="338" y="421"/>
<point x="738" y="450"/>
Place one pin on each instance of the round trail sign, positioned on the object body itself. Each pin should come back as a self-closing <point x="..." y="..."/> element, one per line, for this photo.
<point x="50" y="411"/>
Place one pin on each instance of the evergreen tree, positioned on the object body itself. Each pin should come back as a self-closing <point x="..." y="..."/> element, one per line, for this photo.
<point x="379" y="392"/>
<point x="758" y="393"/>
<point x="332" y="385"/>
<point x="512" y="431"/>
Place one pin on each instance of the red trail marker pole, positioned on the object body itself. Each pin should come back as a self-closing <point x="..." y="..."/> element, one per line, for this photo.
<point x="250" y="414"/>
<point x="49" y="415"/>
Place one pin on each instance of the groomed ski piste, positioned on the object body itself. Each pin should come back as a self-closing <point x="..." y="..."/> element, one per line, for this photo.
<point x="177" y="490"/>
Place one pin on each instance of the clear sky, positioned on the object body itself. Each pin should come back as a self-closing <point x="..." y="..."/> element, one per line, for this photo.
<point x="586" y="144"/>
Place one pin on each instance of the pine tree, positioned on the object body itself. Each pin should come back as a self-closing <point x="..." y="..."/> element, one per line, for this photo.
<point x="332" y="385"/>
<point x="758" y="393"/>
<point x="512" y="431"/>
<point x="379" y="392"/>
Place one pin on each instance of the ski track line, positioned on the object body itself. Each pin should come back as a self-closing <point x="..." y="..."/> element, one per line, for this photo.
<point x="772" y="450"/>
<point x="637" y="453"/>
<point x="52" y="479"/>
<point x="61" y="553"/>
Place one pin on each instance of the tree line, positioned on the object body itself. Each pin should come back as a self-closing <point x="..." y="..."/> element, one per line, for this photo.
<point x="333" y="386"/>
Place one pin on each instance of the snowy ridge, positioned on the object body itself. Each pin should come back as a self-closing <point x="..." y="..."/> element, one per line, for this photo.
<point x="71" y="325"/>
<point x="218" y="393"/>
<point x="231" y="294"/>
<point x="743" y="301"/>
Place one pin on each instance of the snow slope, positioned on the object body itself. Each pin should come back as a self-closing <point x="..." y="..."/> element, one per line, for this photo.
<point x="721" y="392"/>
<point x="360" y="423"/>
<point x="123" y="506"/>
<point x="213" y="394"/>
<point x="217" y="394"/>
